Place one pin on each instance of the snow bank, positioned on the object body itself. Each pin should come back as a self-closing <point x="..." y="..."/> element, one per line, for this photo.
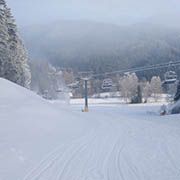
<point x="11" y="91"/>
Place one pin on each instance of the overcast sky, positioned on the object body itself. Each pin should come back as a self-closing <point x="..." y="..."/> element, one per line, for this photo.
<point x="29" y="12"/>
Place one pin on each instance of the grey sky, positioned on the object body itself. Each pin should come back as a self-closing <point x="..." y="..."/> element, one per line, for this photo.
<point x="115" y="11"/>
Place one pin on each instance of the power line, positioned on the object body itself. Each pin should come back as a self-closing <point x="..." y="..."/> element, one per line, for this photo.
<point x="139" y="69"/>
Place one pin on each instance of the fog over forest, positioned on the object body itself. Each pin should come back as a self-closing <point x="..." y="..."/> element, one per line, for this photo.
<point x="99" y="35"/>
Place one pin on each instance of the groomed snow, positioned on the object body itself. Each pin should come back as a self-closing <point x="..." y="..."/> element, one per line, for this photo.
<point x="48" y="141"/>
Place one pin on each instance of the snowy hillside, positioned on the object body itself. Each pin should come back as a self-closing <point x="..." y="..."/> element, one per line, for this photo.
<point x="44" y="141"/>
<point x="30" y="128"/>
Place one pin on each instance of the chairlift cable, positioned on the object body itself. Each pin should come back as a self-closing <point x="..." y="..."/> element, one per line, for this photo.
<point x="139" y="69"/>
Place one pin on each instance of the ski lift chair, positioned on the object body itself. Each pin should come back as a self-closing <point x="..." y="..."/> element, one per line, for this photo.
<point x="107" y="84"/>
<point x="170" y="77"/>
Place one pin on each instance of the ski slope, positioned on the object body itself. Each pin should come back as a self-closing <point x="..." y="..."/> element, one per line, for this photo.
<point x="44" y="141"/>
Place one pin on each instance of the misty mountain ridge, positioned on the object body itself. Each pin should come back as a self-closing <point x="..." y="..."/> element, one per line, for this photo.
<point x="88" y="45"/>
<point x="170" y="19"/>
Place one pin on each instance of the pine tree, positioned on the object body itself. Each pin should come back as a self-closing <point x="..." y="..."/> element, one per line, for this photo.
<point x="14" y="57"/>
<point x="139" y="94"/>
<point x="10" y="68"/>
<point x="4" y="56"/>
<point x="22" y="58"/>
<point x="177" y="96"/>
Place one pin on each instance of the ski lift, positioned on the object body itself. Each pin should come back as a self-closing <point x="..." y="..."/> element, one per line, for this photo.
<point x="74" y="85"/>
<point x="170" y="77"/>
<point x="107" y="84"/>
<point x="63" y="90"/>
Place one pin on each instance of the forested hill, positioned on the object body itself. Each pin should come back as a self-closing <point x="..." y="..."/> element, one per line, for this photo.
<point x="85" y="45"/>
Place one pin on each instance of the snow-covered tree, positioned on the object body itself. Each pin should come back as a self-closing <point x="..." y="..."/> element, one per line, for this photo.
<point x="146" y="91"/>
<point x="25" y="74"/>
<point x="4" y="55"/>
<point x="48" y="81"/>
<point x="156" y="87"/>
<point x="128" y="86"/>
<point x="13" y="56"/>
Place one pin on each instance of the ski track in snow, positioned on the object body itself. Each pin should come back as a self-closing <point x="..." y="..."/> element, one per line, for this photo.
<point x="89" y="157"/>
<point x="57" y="155"/>
<point x="101" y="154"/>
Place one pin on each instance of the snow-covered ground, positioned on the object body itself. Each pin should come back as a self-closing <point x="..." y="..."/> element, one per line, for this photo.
<point x="162" y="99"/>
<point x="105" y="101"/>
<point x="52" y="141"/>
